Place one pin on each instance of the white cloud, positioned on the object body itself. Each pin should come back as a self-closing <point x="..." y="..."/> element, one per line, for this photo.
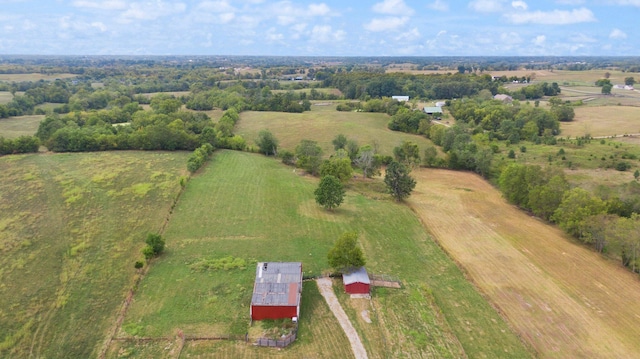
<point x="324" y="33"/>
<point x="624" y="2"/>
<point x="438" y="5"/>
<point x="539" y="40"/>
<point x="520" y="5"/>
<point x="318" y="9"/>
<point x="385" y="24"/>
<point x="570" y="2"/>
<point x="409" y="36"/>
<point x="392" y="7"/>
<point x="215" y="6"/>
<point x="273" y="36"/>
<point x="152" y="10"/>
<point x="297" y="30"/>
<point x="510" y="38"/>
<point x="101" y="5"/>
<point x="555" y="17"/>
<point x="582" y="38"/>
<point x="99" y="25"/>
<point x="486" y="5"/>
<point x="617" y="34"/>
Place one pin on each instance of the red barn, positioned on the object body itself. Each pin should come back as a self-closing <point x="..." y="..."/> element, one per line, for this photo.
<point x="277" y="290"/>
<point x="357" y="281"/>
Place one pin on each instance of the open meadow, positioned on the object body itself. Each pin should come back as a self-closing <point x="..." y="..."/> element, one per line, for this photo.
<point x="72" y="227"/>
<point x="323" y="123"/>
<point x="34" y="77"/>
<point x="243" y="208"/>
<point x="17" y="126"/>
<point x="5" y="97"/>
<point x="565" y="300"/>
<point x="603" y="121"/>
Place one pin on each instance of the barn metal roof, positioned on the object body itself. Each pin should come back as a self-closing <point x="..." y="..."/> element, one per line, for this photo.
<point x="357" y="276"/>
<point x="277" y="284"/>
<point x="433" y="109"/>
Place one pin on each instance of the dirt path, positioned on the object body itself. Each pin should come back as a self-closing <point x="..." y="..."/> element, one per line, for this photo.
<point x="564" y="299"/>
<point x="326" y="289"/>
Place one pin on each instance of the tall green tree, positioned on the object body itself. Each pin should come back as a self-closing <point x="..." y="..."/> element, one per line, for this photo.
<point x="408" y="153"/>
<point x="346" y="254"/>
<point x="267" y="142"/>
<point x="330" y="192"/>
<point x="398" y="181"/>
<point x="544" y="199"/>
<point x="339" y="167"/>
<point x="339" y="142"/>
<point x="309" y="156"/>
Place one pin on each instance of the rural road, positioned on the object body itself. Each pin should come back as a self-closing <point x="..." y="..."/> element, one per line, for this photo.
<point x="326" y="289"/>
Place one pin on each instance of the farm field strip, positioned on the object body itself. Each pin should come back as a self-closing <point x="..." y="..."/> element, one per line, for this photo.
<point x="603" y="121"/>
<point x="563" y="299"/>
<point x="253" y="208"/>
<point x="14" y="127"/>
<point x="323" y="124"/>
<point x="74" y="227"/>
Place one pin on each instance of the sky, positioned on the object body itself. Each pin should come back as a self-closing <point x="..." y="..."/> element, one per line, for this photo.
<point x="321" y="28"/>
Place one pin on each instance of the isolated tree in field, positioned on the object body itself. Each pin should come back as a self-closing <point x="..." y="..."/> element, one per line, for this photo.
<point x="352" y="149"/>
<point x="430" y="156"/>
<point x="309" y="156"/>
<point x="629" y="81"/>
<point x="606" y="89"/>
<point x="399" y="183"/>
<point x="267" y="143"/>
<point x="340" y="142"/>
<point x="330" y="192"/>
<point x="155" y="245"/>
<point x="346" y="254"/>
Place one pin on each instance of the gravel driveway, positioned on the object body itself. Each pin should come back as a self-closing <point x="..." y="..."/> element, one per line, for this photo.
<point x="326" y="289"/>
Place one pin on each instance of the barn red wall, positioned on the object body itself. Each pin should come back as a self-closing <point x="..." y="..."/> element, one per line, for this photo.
<point x="357" y="288"/>
<point x="261" y="312"/>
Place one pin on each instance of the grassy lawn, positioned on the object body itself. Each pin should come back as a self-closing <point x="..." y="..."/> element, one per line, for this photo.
<point x="72" y="227"/>
<point x="323" y="123"/>
<point x="13" y="127"/>
<point x="251" y="207"/>
<point x="5" y="97"/>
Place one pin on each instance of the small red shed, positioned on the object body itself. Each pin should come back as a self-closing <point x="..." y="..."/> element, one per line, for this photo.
<point x="277" y="290"/>
<point x="356" y="281"/>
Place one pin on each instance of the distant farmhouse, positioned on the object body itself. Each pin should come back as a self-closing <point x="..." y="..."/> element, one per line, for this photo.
<point x="503" y="98"/>
<point x="357" y="281"/>
<point x="400" y="98"/>
<point x="437" y="110"/>
<point x="277" y="291"/>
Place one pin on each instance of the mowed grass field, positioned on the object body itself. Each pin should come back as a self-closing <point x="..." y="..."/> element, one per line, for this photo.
<point x="71" y="229"/>
<point x="34" y="77"/>
<point x="13" y="127"/>
<point x="603" y="121"/>
<point x="253" y="208"/>
<point x="565" y="300"/>
<point x="5" y="97"/>
<point x="323" y="123"/>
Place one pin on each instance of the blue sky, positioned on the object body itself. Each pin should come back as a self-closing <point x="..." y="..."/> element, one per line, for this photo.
<point x="332" y="28"/>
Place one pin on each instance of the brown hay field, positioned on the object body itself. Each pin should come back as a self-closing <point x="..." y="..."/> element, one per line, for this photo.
<point x="34" y="77"/>
<point x="170" y="93"/>
<point x="565" y="300"/>
<point x="603" y="121"/>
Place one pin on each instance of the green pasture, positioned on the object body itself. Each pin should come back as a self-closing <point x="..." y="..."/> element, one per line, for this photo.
<point x="72" y="227"/>
<point x="323" y="123"/>
<point x="13" y="127"/>
<point x="250" y="208"/>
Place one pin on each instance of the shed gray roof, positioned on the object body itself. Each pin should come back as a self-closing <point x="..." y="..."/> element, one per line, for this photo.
<point x="277" y="284"/>
<point x="357" y="276"/>
<point x="435" y="109"/>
